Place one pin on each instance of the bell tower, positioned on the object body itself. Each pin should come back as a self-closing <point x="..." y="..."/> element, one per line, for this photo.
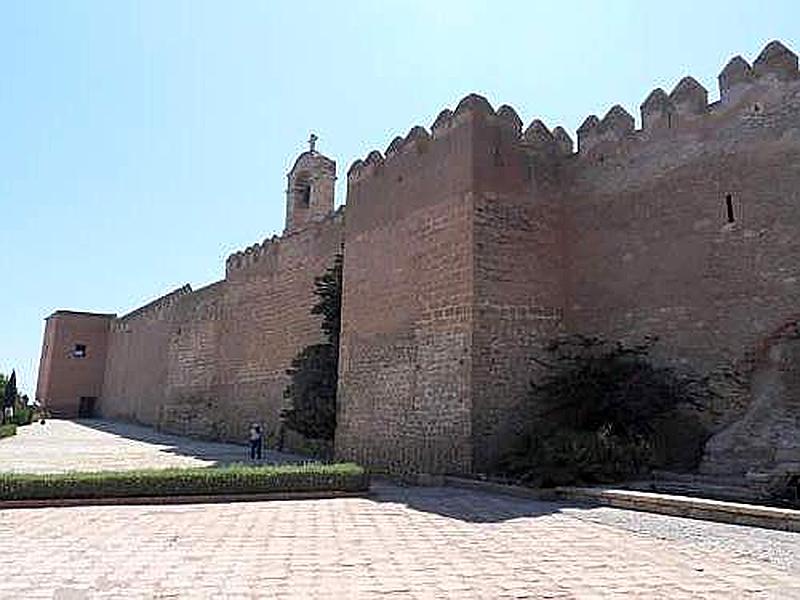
<point x="309" y="195"/>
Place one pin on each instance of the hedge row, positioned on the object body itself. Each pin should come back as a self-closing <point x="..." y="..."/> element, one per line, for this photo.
<point x="8" y="430"/>
<point x="234" y="479"/>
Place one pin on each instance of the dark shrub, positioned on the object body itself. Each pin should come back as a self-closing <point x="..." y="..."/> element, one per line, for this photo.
<point x="784" y="489"/>
<point x="562" y="457"/>
<point x="603" y="411"/>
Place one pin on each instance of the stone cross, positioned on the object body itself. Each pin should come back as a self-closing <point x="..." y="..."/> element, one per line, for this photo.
<point x="312" y="142"/>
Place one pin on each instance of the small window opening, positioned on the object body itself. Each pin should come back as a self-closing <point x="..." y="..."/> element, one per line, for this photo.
<point x="79" y="351"/>
<point x="305" y="196"/>
<point x="729" y="208"/>
<point x="602" y="159"/>
<point x="669" y="120"/>
<point x="756" y="108"/>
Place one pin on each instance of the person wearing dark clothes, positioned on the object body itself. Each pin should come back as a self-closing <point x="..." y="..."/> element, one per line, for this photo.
<point x="256" y="441"/>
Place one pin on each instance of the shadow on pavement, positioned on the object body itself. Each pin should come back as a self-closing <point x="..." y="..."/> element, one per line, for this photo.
<point x="465" y="505"/>
<point x="218" y="452"/>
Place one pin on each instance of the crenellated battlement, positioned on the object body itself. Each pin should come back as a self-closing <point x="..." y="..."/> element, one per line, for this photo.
<point x="687" y="107"/>
<point x="156" y="305"/>
<point x="536" y="139"/>
<point x="263" y="257"/>
<point x="254" y="255"/>
<point x="684" y="107"/>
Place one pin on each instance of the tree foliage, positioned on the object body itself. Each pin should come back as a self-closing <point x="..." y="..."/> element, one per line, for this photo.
<point x="328" y="288"/>
<point x="10" y="390"/>
<point x="590" y="384"/>
<point x="23" y="411"/>
<point x="314" y="371"/>
<point x="599" y="411"/>
<point x="312" y="392"/>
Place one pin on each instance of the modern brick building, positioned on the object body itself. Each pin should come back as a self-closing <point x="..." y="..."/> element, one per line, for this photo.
<point x="466" y="248"/>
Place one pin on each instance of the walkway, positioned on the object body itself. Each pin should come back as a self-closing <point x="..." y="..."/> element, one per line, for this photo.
<point x="403" y="542"/>
<point x="96" y="445"/>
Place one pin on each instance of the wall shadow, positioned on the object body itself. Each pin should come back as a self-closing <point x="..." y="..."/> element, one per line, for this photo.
<point x="471" y="506"/>
<point x="220" y="453"/>
<point x="467" y="505"/>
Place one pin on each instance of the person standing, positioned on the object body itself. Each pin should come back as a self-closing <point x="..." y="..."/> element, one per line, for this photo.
<point x="256" y="441"/>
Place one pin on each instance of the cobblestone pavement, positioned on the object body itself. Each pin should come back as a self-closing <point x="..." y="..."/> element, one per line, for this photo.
<point x="402" y="542"/>
<point x="97" y="445"/>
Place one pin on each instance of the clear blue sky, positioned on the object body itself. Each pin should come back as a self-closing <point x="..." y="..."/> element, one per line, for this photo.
<point x="142" y="142"/>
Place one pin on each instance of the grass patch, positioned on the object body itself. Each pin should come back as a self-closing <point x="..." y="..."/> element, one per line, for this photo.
<point x="232" y="479"/>
<point x="8" y="430"/>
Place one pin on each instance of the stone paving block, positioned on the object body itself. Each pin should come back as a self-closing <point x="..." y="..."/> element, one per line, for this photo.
<point x="403" y="542"/>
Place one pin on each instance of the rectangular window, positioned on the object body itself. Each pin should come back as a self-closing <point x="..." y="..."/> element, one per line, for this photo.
<point x="79" y="351"/>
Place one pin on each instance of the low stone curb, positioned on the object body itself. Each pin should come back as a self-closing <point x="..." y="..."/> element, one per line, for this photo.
<point x="189" y="499"/>
<point x="519" y="491"/>
<point x="768" y="517"/>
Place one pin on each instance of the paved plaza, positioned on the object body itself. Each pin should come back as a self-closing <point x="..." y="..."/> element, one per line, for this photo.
<point x="402" y="542"/>
<point x="97" y="445"/>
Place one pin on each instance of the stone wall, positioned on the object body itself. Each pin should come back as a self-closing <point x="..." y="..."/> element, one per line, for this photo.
<point x="518" y="277"/>
<point x="64" y="374"/>
<point x="135" y="377"/>
<point x="194" y="402"/>
<point x="404" y="401"/>
<point x="240" y="353"/>
<point x="766" y="438"/>
<point x="649" y="246"/>
<point x="208" y="362"/>
<point x="631" y="237"/>
<point x="468" y="247"/>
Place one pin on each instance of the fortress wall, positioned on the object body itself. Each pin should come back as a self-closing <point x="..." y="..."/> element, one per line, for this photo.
<point x="235" y="341"/>
<point x="467" y="247"/>
<point x="649" y="246"/>
<point x="192" y="404"/>
<point x="136" y="371"/>
<point x="404" y="386"/>
<point x="518" y="282"/>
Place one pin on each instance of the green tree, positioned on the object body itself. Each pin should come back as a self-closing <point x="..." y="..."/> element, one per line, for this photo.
<point x="314" y="372"/>
<point x="328" y="288"/>
<point x="312" y="392"/>
<point x="10" y="393"/>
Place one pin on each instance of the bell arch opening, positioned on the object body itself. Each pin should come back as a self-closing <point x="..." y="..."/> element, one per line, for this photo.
<point x="302" y="190"/>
